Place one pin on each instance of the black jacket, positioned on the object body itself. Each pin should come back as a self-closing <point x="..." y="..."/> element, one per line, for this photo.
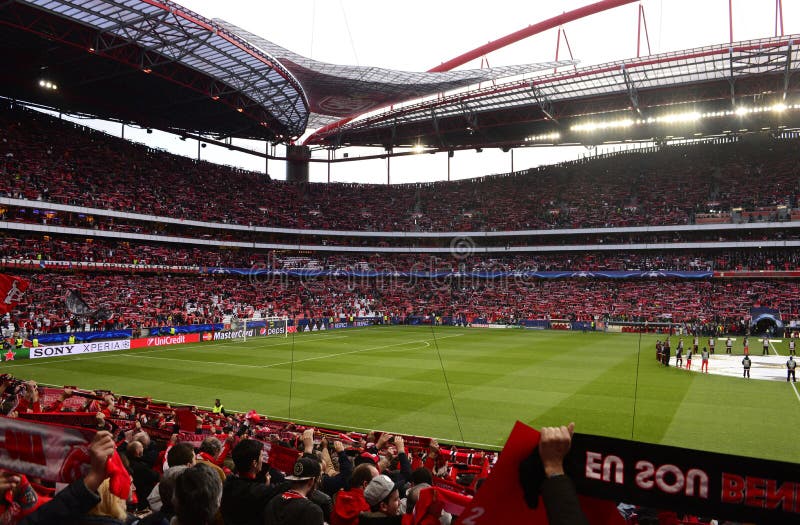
<point x="561" y="502"/>
<point x="244" y="500"/>
<point x="292" y="511"/>
<point x="144" y="478"/>
<point x="332" y="484"/>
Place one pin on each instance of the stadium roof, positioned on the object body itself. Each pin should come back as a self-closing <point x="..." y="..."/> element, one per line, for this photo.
<point x="713" y="77"/>
<point x="340" y="91"/>
<point x="188" y="74"/>
<point x="157" y="64"/>
<point x="153" y="63"/>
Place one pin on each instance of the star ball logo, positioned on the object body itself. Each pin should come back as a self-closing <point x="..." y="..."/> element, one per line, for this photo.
<point x="268" y="271"/>
<point x="462" y="247"/>
<point x="9" y="356"/>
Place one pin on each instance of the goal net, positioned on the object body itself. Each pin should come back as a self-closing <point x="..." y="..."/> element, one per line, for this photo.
<point x="647" y="327"/>
<point x="248" y="328"/>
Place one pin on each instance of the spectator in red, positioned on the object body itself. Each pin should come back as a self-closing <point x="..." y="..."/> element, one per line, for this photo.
<point x="348" y="504"/>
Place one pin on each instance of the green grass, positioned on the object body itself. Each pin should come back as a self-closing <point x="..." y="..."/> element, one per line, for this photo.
<point x="391" y="378"/>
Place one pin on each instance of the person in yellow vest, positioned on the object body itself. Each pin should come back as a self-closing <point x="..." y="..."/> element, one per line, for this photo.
<point x="172" y="331"/>
<point x="218" y="408"/>
<point x="71" y="340"/>
<point x="35" y="342"/>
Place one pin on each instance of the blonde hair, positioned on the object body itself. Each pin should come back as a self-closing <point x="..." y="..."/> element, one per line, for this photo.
<point x="110" y="505"/>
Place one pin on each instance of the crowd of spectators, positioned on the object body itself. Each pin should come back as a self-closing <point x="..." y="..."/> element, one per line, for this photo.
<point x="100" y="226"/>
<point x="150" y="300"/>
<point x="87" y="168"/>
<point x="159" y="444"/>
<point x="70" y="249"/>
<point x="151" y="463"/>
<point x="49" y="160"/>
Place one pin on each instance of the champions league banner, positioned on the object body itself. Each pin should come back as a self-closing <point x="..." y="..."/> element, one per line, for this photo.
<point x="607" y="471"/>
<point x="464" y="275"/>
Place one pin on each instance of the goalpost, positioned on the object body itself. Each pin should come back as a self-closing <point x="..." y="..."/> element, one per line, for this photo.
<point x="664" y="328"/>
<point x="251" y="327"/>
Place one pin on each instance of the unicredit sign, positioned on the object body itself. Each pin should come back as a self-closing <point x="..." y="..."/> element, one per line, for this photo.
<point x="164" y="340"/>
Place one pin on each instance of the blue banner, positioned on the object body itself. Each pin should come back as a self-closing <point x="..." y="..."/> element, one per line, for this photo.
<point x="188" y="329"/>
<point x="52" y="339"/>
<point x="539" y="324"/>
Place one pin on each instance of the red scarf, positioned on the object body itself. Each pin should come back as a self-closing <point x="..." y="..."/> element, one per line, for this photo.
<point x="55" y="453"/>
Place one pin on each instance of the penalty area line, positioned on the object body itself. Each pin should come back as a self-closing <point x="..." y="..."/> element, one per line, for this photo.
<point x="272" y="365"/>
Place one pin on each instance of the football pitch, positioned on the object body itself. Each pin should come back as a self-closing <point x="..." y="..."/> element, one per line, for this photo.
<point x="396" y="379"/>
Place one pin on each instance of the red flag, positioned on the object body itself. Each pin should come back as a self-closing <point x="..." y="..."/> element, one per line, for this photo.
<point x="501" y="498"/>
<point x="485" y="468"/>
<point x="119" y="482"/>
<point x="12" y="289"/>
<point x="433" y="500"/>
<point x="55" y="453"/>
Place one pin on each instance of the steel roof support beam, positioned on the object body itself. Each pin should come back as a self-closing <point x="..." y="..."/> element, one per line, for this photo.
<point x="787" y="75"/>
<point x="167" y="34"/>
<point x="544" y="102"/>
<point x="732" y="78"/>
<point x="576" y="14"/>
<point x="435" y="121"/>
<point x="633" y="94"/>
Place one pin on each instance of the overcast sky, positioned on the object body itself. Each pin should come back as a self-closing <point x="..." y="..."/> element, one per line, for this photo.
<point x="417" y="35"/>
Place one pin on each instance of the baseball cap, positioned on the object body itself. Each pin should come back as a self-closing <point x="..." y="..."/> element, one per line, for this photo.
<point x="305" y="468"/>
<point x="378" y="489"/>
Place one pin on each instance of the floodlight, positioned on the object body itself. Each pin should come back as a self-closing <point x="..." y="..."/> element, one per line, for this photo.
<point x="741" y="111"/>
<point x="679" y="117"/>
<point x="779" y="107"/>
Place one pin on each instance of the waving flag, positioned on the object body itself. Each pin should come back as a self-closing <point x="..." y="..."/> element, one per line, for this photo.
<point x="54" y="453"/>
<point x="12" y="290"/>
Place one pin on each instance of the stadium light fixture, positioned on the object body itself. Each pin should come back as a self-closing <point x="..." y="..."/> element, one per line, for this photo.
<point x="418" y="148"/>
<point x="681" y="118"/>
<point x="612" y="124"/>
<point x="544" y="137"/>
<point x="674" y="118"/>
<point x="47" y="84"/>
